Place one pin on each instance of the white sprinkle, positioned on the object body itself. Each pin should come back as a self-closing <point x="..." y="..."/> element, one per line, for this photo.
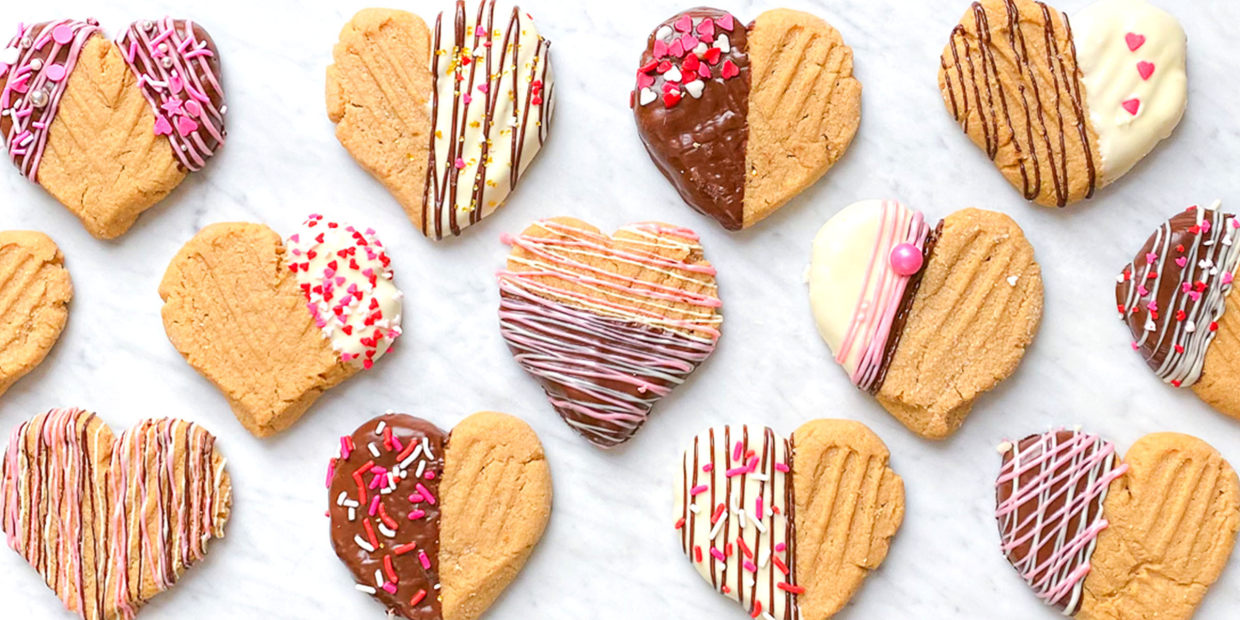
<point x="672" y="75"/>
<point x="758" y="524"/>
<point x="694" y="88"/>
<point x="421" y="469"/>
<point x="383" y="529"/>
<point x="1004" y="447"/>
<point x="700" y="50"/>
<point x="1119" y="278"/>
<point x="373" y="450"/>
<point x="361" y="542"/>
<point x="379" y="581"/>
<point x="352" y="514"/>
<point x="417" y="450"/>
<point x="365" y="588"/>
<point x="426" y="448"/>
<point x="714" y="532"/>
<point x="351" y="503"/>
<point x="1190" y="326"/>
<point x="1150" y="326"/>
<point x="764" y="557"/>
<point x="759" y="477"/>
<point x="379" y="427"/>
<point x="1012" y="280"/>
<point x="340" y="498"/>
<point x="694" y="508"/>
<point x="664" y="33"/>
<point x="723" y="43"/>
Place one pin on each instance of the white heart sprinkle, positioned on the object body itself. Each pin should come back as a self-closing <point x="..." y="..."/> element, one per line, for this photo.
<point x="672" y="75"/>
<point x="664" y="33"/>
<point x="695" y="88"/>
<point x="1150" y="326"/>
<point x="646" y="96"/>
<point x="700" y="50"/>
<point x="723" y="43"/>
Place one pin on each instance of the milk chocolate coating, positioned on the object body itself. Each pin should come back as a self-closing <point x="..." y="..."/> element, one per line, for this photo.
<point x="423" y="532"/>
<point x="699" y="144"/>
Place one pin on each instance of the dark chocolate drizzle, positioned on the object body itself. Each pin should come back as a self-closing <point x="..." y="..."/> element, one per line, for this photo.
<point x="699" y="144"/>
<point x="906" y="305"/>
<point x="994" y="102"/>
<point x="423" y="532"/>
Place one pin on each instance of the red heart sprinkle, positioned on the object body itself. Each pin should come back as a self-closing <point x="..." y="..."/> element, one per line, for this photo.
<point x="671" y="98"/>
<point x="1146" y="69"/>
<point x="690" y="66"/>
<point x="644" y="80"/>
<point x="1179" y="348"/>
<point x="729" y="70"/>
<point x="712" y="55"/>
<point x="648" y="67"/>
<point x="1132" y="105"/>
<point x="1134" y="41"/>
<point x="664" y="66"/>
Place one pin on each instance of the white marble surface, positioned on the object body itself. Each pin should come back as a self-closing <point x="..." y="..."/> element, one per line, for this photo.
<point x="610" y="551"/>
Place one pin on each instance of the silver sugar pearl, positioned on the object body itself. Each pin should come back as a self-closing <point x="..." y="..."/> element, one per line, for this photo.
<point x="163" y="48"/>
<point x="147" y="25"/>
<point x="167" y="62"/>
<point x="38" y="98"/>
<point x="26" y="41"/>
<point x="36" y="64"/>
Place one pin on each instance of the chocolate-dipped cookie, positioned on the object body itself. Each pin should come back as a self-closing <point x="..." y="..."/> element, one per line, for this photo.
<point x="1064" y="108"/>
<point x="1176" y="298"/>
<point x="416" y="513"/>
<point x="788" y="527"/>
<point x="735" y="124"/>
<point x="608" y="325"/>
<point x="109" y="128"/>
<point x="457" y="114"/>
<point x="1101" y="538"/>
<point x="925" y="318"/>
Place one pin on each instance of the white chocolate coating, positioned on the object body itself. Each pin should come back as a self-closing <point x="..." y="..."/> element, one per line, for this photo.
<point x="1118" y="79"/>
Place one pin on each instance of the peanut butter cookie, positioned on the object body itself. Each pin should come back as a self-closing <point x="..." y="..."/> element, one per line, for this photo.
<point x="1102" y="538"/>
<point x="608" y="325"/>
<point x="34" y="301"/>
<point x="742" y="118"/>
<point x="435" y="525"/>
<point x="274" y="324"/>
<point x="788" y="528"/>
<point x="111" y="128"/>
<point x="1065" y="108"/>
<point x="925" y="319"/>
<point x="483" y="74"/>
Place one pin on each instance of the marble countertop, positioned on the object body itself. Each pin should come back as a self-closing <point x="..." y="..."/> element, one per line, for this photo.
<point x="610" y="551"/>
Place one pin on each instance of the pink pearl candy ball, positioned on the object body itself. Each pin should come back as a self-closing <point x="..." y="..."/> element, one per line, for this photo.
<point x="906" y="259"/>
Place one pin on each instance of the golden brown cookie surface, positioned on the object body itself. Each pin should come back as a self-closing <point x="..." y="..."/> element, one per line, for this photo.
<point x="443" y="521"/>
<point x="34" y="301"/>
<point x="608" y="324"/>
<point x="741" y="119"/>
<point x="111" y="128"/>
<point x="976" y="311"/>
<point x="109" y="520"/>
<point x="806" y="519"/>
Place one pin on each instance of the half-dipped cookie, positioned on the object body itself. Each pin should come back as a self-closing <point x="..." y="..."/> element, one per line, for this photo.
<point x="742" y="118"/>
<point x="925" y="318"/>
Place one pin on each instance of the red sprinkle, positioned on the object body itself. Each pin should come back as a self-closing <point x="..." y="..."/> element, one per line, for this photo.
<point x="388" y="568"/>
<point x="405" y="548"/>
<point x="787" y="587"/>
<point x="680" y="523"/>
<point x="370" y="533"/>
<point x="417" y="598"/>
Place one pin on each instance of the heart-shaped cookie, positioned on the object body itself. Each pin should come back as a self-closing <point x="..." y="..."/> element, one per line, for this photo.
<point x="1101" y="538"/>
<point x="742" y="118"/>
<point x="447" y="120"/>
<point x="608" y="325"/>
<point x="273" y="324"/>
<point x="34" y="301"/>
<point x="788" y="528"/>
<point x="436" y="525"/>
<point x="1065" y="108"/>
<point x="925" y="319"/>
<point x="1177" y="298"/>
<point x="110" y="128"/>
<point x="110" y="521"/>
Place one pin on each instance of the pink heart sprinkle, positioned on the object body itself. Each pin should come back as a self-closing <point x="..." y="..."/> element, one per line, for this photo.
<point x="176" y="85"/>
<point x="186" y="126"/>
<point x="1227" y="277"/>
<point x="726" y="22"/>
<point x="1195" y="295"/>
<point x="706" y="29"/>
<point x="644" y="80"/>
<point x="704" y="71"/>
<point x="1132" y="105"/>
<point x="55" y="73"/>
<point x="1146" y="69"/>
<point x="193" y="108"/>
<point x="1186" y="287"/>
<point x="684" y="24"/>
<point x="1181" y="261"/>
<point x="162" y="127"/>
<point x="688" y="42"/>
<point x="1150" y="257"/>
<point x="62" y="34"/>
<point x="660" y="49"/>
<point x="676" y="49"/>
<point x="484" y="87"/>
<point x="1142" y="291"/>
<point x="1134" y="41"/>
